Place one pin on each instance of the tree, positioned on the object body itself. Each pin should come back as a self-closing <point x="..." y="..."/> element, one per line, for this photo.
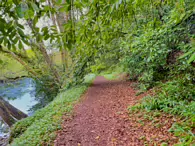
<point x="9" y="113"/>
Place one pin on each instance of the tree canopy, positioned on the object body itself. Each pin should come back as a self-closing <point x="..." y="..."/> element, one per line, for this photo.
<point x="94" y="35"/>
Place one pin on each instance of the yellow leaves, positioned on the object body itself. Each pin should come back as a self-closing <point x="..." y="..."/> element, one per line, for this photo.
<point x="97" y="137"/>
<point x="113" y="139"/>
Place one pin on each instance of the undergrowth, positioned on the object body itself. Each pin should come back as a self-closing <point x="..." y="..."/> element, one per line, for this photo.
<point x="175" y="98"/>
<point x="163" y="59"/>
<point x="112" y="73"/>
<point x="40" y="129"/>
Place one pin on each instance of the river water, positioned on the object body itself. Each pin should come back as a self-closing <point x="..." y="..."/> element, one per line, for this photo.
<point x="20" y="94"/>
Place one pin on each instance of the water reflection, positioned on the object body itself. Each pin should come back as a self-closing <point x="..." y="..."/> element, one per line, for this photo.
<point x="3" y="128"/>
<point x="20" y="94"/>
<point x="4" y="133"/>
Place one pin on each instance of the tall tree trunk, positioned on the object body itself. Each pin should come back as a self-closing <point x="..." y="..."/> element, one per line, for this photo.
<point x="46" y="56"/>
<point x="55" y="19"/>
<point x="64" y="52"/>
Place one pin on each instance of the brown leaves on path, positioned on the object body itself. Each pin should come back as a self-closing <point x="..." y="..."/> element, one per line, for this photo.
<point x="102" y="119"/>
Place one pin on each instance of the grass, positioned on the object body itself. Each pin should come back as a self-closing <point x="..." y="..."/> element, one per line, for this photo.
<point x="112" y="74"/>
<point x="88" y="78"/>
<point x="10" y="68"/>
<point x="40" y="129"/>
<point x="56" y="57"/>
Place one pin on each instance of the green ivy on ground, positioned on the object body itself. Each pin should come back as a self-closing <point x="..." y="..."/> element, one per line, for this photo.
<point x="40" y="129"/>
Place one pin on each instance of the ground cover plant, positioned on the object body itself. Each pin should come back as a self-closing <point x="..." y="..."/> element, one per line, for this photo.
<point x="153" y="42"/>
<point x="40" y="129"/>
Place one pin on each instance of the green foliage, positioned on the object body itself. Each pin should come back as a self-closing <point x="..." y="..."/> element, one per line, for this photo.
<point x="40" y="128"/>
<point x="184" y="131"/>
<point x="178" y="98"/>
<point x="113" y="72"/>
<point x="161" y="53"/>
<point x="89" y="77"/>
<point x="9" y="68"/>
<point x="153" y="40"/>
<point x="146" y="61"/>
<point x="98" y="67"/>
<point x="108" y="30"/>
<point x="190" y="52"/>
<point x="46" y="90"/>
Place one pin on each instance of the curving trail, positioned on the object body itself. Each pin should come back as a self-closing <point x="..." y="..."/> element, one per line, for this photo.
<point x="101" y="119"/>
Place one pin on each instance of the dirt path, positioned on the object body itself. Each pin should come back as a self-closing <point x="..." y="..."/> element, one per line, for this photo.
<point x="101" y="119"/>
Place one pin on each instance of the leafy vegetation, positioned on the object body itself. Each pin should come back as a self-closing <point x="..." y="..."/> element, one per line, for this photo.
<point x="174" y="98"/>
<point x="113" y="72"/>
<point x="159" y="57"/>
<point x="154" y="41"/>
<point x="10" y="68"/>
<point x="95" y="35"/>
<point x="40" y="129"/>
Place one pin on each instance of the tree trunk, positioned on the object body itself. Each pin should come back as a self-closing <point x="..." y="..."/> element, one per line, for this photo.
<point x="45" y="55"/>
<point x="9" y="113"/>
<point x="64" y="54"/>
<point x="16" y="57"/>
<point x="49" y="62"/>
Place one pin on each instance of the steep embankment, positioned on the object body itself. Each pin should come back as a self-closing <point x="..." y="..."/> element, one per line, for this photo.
<point x="102" y="119"/>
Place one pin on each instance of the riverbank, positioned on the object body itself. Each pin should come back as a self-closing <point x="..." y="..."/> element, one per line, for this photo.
<point x="40" y="129"/>
<point x="10" y="69"/>
<point x="19" y="94"/>
<point x="11" y="79"/>
<point x="19" y="91"/>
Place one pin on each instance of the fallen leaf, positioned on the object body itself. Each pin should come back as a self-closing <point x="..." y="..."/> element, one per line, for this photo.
<point x="97" y="137"/>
